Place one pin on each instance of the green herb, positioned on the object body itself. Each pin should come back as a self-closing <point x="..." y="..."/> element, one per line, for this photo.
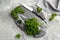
<point x="15" y="11"/>
<point x="14" y="15"/>
<point x="52" y="16"/>
<point x="32" y="26"/>
<point x="19" y="21"/>
<point x="19" y="9"/>
<point x="39" y="9"/>
<point x="18" y="36"/>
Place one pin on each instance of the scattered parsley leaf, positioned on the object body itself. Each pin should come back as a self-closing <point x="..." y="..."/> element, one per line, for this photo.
<point x="52" y="16"/>
<point x="39" y="9"/>
<point x="18" y="36"/>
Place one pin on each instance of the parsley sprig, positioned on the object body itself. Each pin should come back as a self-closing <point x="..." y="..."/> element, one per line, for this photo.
<point x="39" y="9"/>
<point x="18" y="36"/>
<point x="52" y="16"/>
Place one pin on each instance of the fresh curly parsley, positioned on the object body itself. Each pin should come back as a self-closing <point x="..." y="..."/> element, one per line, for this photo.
<point x="15" y="11"/>
<point x="32" y="26"/>
<point x="19" y="9"/>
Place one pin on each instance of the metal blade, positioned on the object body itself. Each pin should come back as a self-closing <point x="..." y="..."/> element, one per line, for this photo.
<point x="27" y="7"/>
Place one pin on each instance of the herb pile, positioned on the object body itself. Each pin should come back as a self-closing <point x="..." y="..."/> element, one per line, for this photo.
<point x="32" y="26"/>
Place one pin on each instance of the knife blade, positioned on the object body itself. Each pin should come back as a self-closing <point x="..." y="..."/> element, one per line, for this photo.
<point x="41" y="16"/>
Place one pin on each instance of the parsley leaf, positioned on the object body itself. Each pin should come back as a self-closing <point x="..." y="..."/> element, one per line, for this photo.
<point x="18" y="36"/>
<point x="52" y="16"/>
<point x="39" y="9"/>
<point x="14" y="15"/>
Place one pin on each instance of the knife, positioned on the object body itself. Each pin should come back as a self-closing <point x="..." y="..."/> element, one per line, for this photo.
<point x="41" y="16"/>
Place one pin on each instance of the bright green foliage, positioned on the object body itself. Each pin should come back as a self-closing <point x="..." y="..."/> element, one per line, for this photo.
<point x="15" y="11"/>
<point x="52" y="16"/>
<point x="14" y="15"/>
<point x="39" y="9"/>
<point x="32" y="26"/>
<point x="19" y="9"/>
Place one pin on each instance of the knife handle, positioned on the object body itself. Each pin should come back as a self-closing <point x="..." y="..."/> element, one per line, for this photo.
<point x="41" y="16"/>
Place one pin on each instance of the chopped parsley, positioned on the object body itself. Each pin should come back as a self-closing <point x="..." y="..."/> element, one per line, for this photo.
<point x="15" y="11"/>
<point x="32" y="26"/>
<point x="18" y="36"/>
<point x="52" y="16"/>
<point x="39" y="9"/>
<point x="19" y="9"/>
